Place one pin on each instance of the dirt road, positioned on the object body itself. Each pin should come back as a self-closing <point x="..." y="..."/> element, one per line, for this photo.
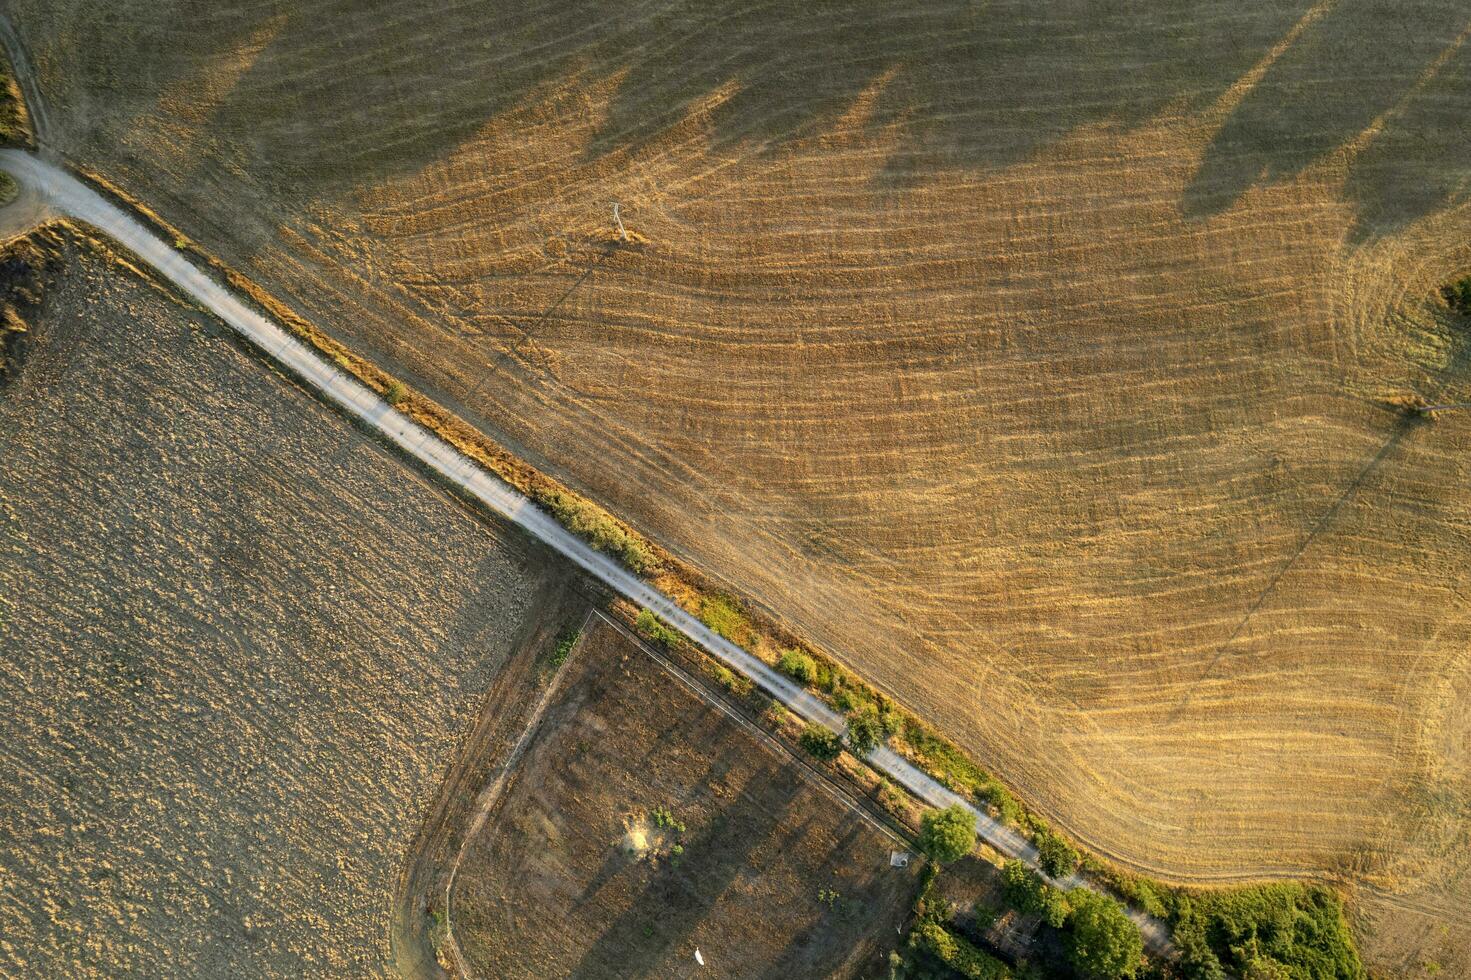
<point x="66" y="195"/>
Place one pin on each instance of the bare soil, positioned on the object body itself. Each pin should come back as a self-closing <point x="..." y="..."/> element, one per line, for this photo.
<point x="239" y="644"/>
<point x="643" y="823"/>
<point x="1038" y="360"/>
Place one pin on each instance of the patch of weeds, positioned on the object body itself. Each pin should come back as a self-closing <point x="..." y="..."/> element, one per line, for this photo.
<point x="438" y="926"/>
<point x="564" y="647"/>
<point x="12" y="130"/>
<point x="598" y="528"/>
<point x="1267" y="930"/>
<point x="724" y="617"/>
<point x="828" y="897"/>
<point x="665" y="820"/>
<point x="654" y="628"/>
<point x="396" y="393"/>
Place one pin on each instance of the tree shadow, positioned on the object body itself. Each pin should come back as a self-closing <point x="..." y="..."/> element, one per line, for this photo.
<point x="1393" y="75"/>
<point x="342" y="92"/>
<point x="678" y="898"/>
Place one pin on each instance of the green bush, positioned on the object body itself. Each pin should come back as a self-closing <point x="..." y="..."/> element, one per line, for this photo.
<point x="1030" y="895"/>
<point x="865" y="730"/>
<point x="799" y="666"/>
<point x="957" y="953"/>
<point x="653" y="627"/>
<point x="948" y="835"/>
<point x="822" y="743"/>
<point x="1105" y="943"/>
<point x="1007" y="808"/>
<point x="1057" y="856"/>
<point x="1287" y="930"/>
<point x="396" y="393"/>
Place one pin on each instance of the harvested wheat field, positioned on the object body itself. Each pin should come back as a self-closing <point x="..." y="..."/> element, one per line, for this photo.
<point x="643" y="823"/>
<point x="1032" y="358"/>
<point x="235" y="663"/>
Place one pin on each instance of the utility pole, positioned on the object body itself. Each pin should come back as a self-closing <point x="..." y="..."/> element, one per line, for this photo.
<point x="622" y="232"/>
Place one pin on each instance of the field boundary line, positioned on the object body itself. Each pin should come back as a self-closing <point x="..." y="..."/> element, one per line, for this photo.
<point x="491" y="794"/>
<point x="840" y="794"/>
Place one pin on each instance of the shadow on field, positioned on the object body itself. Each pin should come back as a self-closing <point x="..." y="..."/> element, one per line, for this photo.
<point x="331" y="94"/>
<point x="1395" y="74"/>
<point x="679" y="897"/>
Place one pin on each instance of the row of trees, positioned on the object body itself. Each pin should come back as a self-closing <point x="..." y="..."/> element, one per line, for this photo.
<point x="1102" y="939"/>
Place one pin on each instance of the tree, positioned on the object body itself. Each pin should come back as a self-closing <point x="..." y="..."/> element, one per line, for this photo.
<point x="948" y="835"/>
<point x="1105" y="943"/>
<point x="1030" y="895"/>
<point x="865" y="730"/>
<point x="798" y="666"/>
<point x="1055" y="854"/>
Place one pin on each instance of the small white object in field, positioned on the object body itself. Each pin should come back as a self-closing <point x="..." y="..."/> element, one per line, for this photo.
<point x="898" y="859"/>
<point x="621" y="232"/>
<point x="698" y="958"/>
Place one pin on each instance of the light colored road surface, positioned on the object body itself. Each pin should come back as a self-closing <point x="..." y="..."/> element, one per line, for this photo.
<point x="64" y="194"/>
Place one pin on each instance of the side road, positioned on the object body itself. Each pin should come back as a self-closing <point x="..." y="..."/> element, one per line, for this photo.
<point x="66" y="195"/>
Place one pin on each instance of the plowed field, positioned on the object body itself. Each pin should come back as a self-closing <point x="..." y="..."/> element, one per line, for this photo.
<point x="1031" y="357"/>
<point x="234" y="661"/>
<point x="643" y="824"/>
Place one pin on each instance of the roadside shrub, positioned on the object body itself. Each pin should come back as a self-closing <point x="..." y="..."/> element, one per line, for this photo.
<point x="598" y="528"/>
<point x="799" y="666"/>
<point x="653" y="627"/>
<point x="948" y="835"/>
<point x="830" y="677"/>
<point x="865" y="730"/>
<point x="1105" y="943"/>
<point x="724" y="617"/>
<point x="1030" y="895"/>
<point x="822" y="743"/>
<point x="1057" y="856"/>
<point x="396" y="393"/>
<point x="1008" y="810"/>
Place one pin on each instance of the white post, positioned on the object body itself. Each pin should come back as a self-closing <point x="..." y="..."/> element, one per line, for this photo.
<point x="621" y="232"/>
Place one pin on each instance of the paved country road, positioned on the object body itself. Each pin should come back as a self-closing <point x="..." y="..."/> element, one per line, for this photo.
<point x="64" y="194"/>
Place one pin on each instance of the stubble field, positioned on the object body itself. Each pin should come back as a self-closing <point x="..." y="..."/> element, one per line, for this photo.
<point x="234" y="662"/>
<point x="1032" y="358"/>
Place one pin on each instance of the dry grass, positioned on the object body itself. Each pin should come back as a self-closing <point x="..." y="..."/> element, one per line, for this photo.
<point x="235" y="660"/>
<point x="1033" y="359"/>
